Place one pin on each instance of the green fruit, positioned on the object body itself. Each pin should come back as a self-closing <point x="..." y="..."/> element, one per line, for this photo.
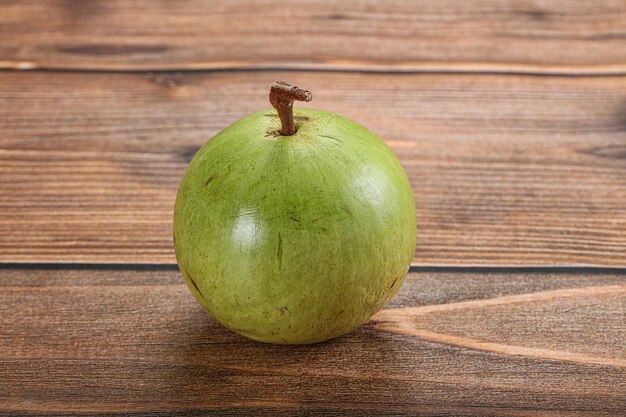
<point x="294" y="239"/>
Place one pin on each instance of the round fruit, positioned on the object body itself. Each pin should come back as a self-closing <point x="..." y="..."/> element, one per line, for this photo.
<point x="294" y="234"/>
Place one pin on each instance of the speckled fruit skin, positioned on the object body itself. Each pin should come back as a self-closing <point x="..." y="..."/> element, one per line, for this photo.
<point x="294" y="239"/>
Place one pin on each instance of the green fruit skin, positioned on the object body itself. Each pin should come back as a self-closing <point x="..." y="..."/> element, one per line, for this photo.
<point x="294" y="239"/>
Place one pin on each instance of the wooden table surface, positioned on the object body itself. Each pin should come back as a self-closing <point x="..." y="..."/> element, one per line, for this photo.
<point x="509" y="117"/>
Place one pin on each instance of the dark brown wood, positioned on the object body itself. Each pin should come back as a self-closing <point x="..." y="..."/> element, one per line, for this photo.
<point x="506" y="169"/>
<point x="84" y="341"/>
<point x="559" y="36"/>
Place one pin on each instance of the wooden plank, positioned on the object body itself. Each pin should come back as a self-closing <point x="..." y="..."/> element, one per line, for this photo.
<point x="506" y="169"/>
<point x="560" y="36"/>
<point x="80" y="341"/>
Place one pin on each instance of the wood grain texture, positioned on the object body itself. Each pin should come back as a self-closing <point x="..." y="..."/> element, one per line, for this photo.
<point x="506" y="170"/>
<point x="83" y="341"/>
<point x="561" y="36"/>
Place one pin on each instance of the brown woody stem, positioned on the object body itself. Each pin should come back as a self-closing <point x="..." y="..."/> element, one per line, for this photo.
<point x="282" y="96"/>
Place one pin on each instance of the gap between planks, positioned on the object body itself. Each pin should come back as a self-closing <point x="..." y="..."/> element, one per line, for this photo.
<point x="419" y="68"/>
<point x="478" y="269"/>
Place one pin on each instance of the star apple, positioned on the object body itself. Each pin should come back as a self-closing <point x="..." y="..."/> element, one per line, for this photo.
<point x="294" y="227"/>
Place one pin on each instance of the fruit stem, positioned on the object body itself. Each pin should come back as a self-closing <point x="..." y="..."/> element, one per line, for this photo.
<point x="282" y="96"/>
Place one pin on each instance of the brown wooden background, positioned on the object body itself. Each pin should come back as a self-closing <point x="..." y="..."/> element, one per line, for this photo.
<point x="509" y="116"/>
